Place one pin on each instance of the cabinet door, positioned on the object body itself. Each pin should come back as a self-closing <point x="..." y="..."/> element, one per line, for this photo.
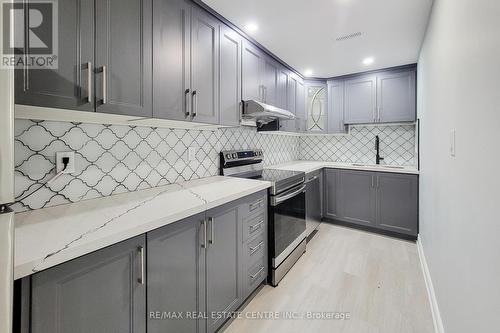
<point x="100" y="292"/>
<point x="204" y="67"/>
<point x="223" y="255"/>
<point x="67" y="86"/>
<point x="176" y="275"/>
<point x="124" y="57"/>
<point x="230" y="76"/>
<point x="270" y="81"/>
<point x="397" y="203"/>
<point x="291" y="91"/>
<point x="396" y="96"/>
<point x="360" y="100"/>
<point x="336" y="107"/>
<point x="317" y="107"/>
<point x="331" y="180"/>
<point x="171" y="59"/>
<point x="356" y="197"/>
<point x="282" y="92"/>
<point x="251" y="72"/>
<point x="300" y="107"/>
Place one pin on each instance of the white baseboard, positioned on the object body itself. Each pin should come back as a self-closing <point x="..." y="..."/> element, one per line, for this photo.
<point x="436" y="315"/>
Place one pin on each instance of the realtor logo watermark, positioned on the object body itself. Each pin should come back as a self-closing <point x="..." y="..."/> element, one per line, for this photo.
<point x="29" y="36"/>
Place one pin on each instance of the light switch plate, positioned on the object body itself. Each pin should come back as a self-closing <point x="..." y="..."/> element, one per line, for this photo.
<point x="71" y="165"/>
<point x="452" y="143"/>
<point x="192" y="153"/>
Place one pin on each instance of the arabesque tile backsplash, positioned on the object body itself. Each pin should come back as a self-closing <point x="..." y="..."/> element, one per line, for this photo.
<point x="114" y="159"/>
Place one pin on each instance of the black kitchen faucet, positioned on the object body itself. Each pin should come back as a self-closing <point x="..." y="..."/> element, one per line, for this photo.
<point x="377" y="148"/>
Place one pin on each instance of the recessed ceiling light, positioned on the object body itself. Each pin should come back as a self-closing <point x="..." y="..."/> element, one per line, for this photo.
<point x="368" y="61"/>
<point x="308" y="72"/>
<point x="251" y="27"/>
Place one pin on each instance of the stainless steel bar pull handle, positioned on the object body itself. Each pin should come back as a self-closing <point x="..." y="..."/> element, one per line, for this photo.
<point x="195" y="104"/>
<point x="204" y="227"/>
<point x="256" y="248"/>
<point x="256" y="226"/>
<point x="104" y="85"/>
<point x="257" y="273"/>
<point x="186" y="102"/>
<point x="89" y="81"/>
<point x="141" y="279"/>
<point x="211" y="222"/>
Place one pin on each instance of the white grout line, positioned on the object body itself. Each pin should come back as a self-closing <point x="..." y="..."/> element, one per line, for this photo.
<point x="436" y="315"/>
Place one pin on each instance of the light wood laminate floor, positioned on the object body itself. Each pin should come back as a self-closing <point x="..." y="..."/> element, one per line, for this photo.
<point x="376" y="279"/>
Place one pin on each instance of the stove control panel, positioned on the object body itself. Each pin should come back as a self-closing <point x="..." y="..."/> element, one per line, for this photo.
<point x="235" y="155"/>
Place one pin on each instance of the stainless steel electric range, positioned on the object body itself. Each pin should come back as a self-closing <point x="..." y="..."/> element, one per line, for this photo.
<point x="287" y="207"/>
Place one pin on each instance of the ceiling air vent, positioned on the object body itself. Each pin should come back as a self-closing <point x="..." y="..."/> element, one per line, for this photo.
<point x="347" y="37"/>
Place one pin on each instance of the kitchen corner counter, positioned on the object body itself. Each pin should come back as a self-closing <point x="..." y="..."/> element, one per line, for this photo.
<point x="310" y="166"/>
<point x="50" y="236"/>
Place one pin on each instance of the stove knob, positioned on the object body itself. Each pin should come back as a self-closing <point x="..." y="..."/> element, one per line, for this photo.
<point x="235" y="155"/>
<point x="228" y="156"/>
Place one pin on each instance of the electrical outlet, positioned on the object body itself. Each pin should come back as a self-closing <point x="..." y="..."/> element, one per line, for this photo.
<point x="70" y="168"/>
<point x="192" y="153"/>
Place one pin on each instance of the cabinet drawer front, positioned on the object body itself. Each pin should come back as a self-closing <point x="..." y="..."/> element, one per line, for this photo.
<point x="254" y="225"/>
<point x="255" y="204"/>
<point x="255" y="249"/>
<point x="256" y="274"/>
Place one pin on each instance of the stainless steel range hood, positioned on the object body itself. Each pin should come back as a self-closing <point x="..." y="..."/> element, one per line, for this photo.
<point x="264" y="113"/>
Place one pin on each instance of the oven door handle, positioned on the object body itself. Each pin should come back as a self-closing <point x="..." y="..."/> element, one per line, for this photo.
<point x="280" y="198"/>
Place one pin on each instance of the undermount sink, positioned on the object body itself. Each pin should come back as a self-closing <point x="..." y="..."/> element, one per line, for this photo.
<point x="393" y="167"/>
<point x="378" y="166"/>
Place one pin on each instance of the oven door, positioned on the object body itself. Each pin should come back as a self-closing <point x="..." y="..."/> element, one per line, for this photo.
<point x="287" y="222"/>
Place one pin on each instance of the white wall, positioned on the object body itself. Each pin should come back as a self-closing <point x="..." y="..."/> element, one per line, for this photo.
<point x="459" y="88"/>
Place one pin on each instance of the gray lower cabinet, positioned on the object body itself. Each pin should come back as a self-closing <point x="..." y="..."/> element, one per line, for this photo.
<point x="223" y="255"/>
<point x="176" y="275"/>
<point x="356" y="197"/>
<point x="397" y="203"/>
<point x="66" y="87"/>
<point x="384" y="201"/>
<point x="360" y="99"/>
<point x="230" y="76"/>
<point x="123" y="78"/>
<point x="330" y="187"/>
<point x="396" y="96"/>
<point x="101" y="292"/>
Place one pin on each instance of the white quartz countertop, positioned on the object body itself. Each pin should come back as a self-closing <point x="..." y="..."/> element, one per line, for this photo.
<point x="50" y="236"/>
<point x="310" y="166"/>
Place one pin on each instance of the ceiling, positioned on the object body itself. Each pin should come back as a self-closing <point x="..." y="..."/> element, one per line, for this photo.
<point x="303" y="33"/>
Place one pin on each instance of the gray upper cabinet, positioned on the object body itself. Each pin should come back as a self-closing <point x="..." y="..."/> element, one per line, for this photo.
<point x="397" y="203"/>
<point x="124" y="57"/>
<point x="252" y="60"/>
<point x="300" y="107"/>
<point x="204" y="67"/>
<point x="230" y="76"/>
<point x="360" y="99"/>
<point x="282" y="93"/>
<point x="336" y="107"/>
<point x="176" y="275"/>
<point x="171" y="59"/>
<point x="356" y="197"/>
<point x="67" y="86"/>
<point x="224" y="235"/>
<point x="396" y="96"/>
<point x="270" y="82"/>
<point x="291" y="93"/>
<point x="101" y="292"/>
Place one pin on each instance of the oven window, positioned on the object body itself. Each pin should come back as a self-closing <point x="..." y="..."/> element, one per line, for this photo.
<point x="289" y="222"/>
